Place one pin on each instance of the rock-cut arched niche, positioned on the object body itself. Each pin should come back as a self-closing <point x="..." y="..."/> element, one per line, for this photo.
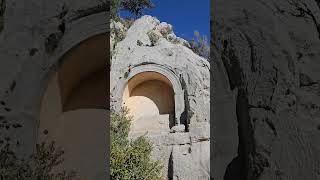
<point x="74" y="108"/>
<point x="149" y="97"/>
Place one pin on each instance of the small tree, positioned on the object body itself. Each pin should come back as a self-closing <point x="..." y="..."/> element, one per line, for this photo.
<point x="42" y="165"/>
<point x="135" y="7"/>
<point x="199" y="45"/>
<point x="114" y="9"/>
<point x="130" y="159"/>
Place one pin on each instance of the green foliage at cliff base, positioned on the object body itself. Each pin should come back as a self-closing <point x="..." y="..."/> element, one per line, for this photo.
<point x="130" y="159"/>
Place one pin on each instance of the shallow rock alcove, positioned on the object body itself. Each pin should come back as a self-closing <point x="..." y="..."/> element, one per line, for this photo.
<point x="149" y="97"/>
<point x="74" y="107"/>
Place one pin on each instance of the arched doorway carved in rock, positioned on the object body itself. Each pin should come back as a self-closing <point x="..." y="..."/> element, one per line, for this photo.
<point x="149" y="96"/>
<point x="75" y="106"/>
<point x="154" y="96"/>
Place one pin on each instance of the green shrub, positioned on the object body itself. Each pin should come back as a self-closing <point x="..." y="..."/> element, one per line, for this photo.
<point x="114" y="9"/>
<point x="130" y="159"/>
<point x="135" y="7"/>
<point x="119" y="35"/>
<point x="42" y="165"/>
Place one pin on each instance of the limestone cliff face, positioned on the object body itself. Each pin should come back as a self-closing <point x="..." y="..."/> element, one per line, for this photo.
<point x="34" y="38"/>
<point x="265" y="62"/>
<point x="140" y="47"/>
<point x="151" y="46"/>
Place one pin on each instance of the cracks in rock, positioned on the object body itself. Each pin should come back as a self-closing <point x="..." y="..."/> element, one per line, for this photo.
<point x="306" y="81"/>
<point x="231" y="64"/>
<point x="170" y="167"/>
<point x="52" y="41"/>
<point x="265" y="107"/>
<point x="126" y="74"/>
<point x="271" y="126"/>
<point x="187" y="113"/>
<point x="63" y="12"/>
<point x="2" y="11"/>
<point x="143" y="63"/>
<point x="275" y="82"/>
<point x="253" y="53"/>
<point x="13" y="85"/>
<point x="302" y="10"/>
<point x="199" y="140"/>
<point x="309" y="84"/>
<point x="62" y="27"/>
<point x="54" y="38"/>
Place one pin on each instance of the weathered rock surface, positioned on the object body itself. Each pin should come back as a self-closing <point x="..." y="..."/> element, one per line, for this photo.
<point x="266" y="100"/>
<point x="153" y="46"/>
<point x="192" y="69"/>
<point x="34" y="35"/>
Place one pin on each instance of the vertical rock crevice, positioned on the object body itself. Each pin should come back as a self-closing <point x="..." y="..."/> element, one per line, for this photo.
<point x="237" y="168"/>
<point x="2" y="11"/>
<point x="170" y="167"/>
<point x="187" y="114"/>
<point x="248" y="164"/>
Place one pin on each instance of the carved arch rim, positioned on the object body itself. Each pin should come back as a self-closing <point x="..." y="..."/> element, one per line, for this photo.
<point x="166" y="72"/>
<point x="78" y="31"/>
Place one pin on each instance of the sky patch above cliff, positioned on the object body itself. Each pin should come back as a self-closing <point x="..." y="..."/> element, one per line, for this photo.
<point x="186" y="16"/>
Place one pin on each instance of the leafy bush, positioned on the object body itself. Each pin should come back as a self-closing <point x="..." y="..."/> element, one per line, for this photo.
<point x="136" y="7"/>
<point x="114" y="9"/>
<point x="199" y="45"/>
<point x="42" y="165"/>
<point x="130" y="159"/>
<point x="119" y="35"/>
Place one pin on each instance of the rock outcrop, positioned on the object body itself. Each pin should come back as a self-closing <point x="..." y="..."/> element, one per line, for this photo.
<point x="148" y="45"/>
<point x="265" y="80"/>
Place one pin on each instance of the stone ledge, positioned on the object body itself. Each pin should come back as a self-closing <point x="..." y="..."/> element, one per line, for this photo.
<point x="171" y="139"/>
<point x="199" y="132"/>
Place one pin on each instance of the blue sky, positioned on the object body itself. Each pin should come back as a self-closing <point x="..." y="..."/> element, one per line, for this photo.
<point x="185" y="16"/>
